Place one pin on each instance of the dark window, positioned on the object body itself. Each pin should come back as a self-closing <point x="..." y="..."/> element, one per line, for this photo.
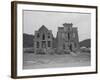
<point x="43" y="37"/>
<point x="38" y="35"/>
<point x="49" y="43"/>
<point x="43" y="44"/>
<point x="48" y="35"/>
<point x="37" y="44"/>
<point x="68" y="36"/>
<point x="70" y="47"/>
<point x="63" y="46"/>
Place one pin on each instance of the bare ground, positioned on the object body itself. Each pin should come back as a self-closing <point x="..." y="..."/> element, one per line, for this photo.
<point x="33" y="61"/>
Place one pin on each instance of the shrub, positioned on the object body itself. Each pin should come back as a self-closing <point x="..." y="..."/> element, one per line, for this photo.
<point x="66" y="52"/>
<point x="50" y="51"/>
<point x="28" y="50"/>
<point x="40" y="51"/>
<point x="59" y="51"/>
<point x="85" y="50"/>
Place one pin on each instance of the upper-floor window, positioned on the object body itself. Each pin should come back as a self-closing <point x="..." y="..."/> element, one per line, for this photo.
<point x="38" y="35"/>
<point x="43" y="36"/>
<point x="48" y="35"/>
<point x="68" y="36"/>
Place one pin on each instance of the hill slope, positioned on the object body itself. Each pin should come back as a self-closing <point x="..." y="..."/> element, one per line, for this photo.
<point x="85" y="43"/>
<point x="28" y="40"/>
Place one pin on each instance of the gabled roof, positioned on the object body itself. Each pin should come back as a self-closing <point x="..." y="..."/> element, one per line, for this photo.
<point x="43" y="28"/>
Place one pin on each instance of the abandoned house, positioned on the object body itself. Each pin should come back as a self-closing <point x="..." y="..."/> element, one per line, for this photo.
<point x="43" y="39"/>
<point x="66" y="39"/>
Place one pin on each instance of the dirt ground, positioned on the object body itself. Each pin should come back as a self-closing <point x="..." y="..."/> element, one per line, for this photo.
<point x="33" y="61"/>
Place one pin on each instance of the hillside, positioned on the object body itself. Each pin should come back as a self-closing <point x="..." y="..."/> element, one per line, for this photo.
<point x="28" y="40"/>
<point x="85" y="43"/>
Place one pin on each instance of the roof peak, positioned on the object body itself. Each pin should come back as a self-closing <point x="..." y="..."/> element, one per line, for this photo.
<point x="43" y="28"/>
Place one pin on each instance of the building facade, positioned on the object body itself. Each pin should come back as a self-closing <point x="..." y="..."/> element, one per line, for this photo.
<point x="43" y="39"/>
<point x="67" y="38"/>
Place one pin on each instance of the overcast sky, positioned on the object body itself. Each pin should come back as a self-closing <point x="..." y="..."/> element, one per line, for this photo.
<point x="33" y="20"/>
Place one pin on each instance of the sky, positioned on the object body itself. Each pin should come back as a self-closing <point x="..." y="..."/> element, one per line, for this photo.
<point x="33" y="20"/>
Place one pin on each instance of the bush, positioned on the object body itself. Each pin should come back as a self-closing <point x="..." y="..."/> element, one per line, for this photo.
<point x="28" y="50"/>
<point x="59" y="51"/>
<point x="85" y="50"/>
<point x="66" y="52"/>
<point x="40" y="51"/>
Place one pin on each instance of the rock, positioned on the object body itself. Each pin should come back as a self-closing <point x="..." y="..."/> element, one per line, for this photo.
<point x="73" y="54"/>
